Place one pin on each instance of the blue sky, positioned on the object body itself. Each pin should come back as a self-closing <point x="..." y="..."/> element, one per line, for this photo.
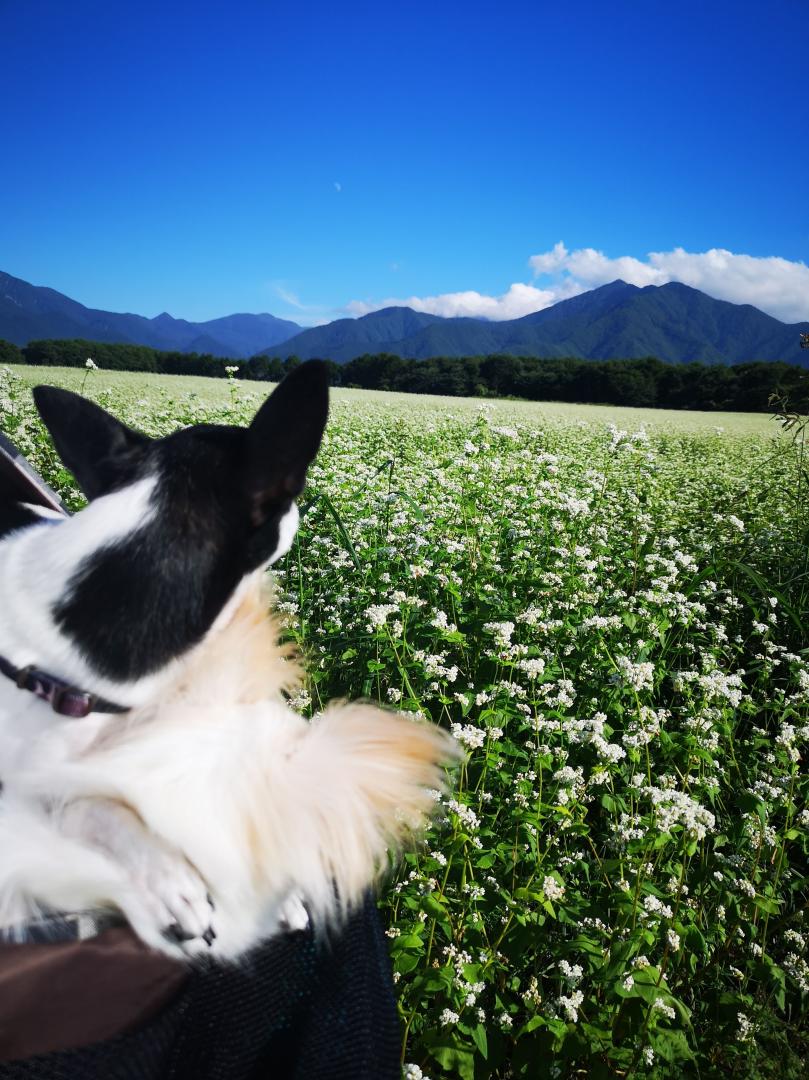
<point x="314" y="159"/>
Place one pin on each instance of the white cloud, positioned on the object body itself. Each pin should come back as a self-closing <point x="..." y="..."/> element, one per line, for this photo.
<point x="289" y="297"/>
<point x="304" y="314"/>
<point x="773" y="284"/>
<point x="517" y="301"/>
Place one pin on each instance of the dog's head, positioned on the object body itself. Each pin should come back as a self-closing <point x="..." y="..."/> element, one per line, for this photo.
<point x="174" y="524"/>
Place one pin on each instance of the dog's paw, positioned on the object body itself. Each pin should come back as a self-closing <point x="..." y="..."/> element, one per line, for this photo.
<point x="173" y="897"/>
<point x="164" y="898"/>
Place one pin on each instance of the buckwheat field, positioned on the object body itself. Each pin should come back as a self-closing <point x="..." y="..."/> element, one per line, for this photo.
<point x="608" y="608"/>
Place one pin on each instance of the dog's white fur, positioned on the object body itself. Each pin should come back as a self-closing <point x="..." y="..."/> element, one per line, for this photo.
<point x="210" y="784"/>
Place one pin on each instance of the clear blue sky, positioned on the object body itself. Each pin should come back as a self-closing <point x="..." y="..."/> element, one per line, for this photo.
<point x="206" y="158"/>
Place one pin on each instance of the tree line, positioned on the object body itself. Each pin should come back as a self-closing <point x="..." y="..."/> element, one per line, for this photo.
<point x="644" y="383"/>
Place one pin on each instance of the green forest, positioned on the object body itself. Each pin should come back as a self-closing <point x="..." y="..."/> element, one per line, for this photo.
<point x="645" y="383"/>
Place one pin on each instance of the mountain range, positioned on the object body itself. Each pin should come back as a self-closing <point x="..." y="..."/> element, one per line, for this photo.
<point x="30" y="312"/>
<point x="673" y="322"/>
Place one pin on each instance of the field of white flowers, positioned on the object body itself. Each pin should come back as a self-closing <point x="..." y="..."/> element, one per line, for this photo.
<point x="609" y="609"/>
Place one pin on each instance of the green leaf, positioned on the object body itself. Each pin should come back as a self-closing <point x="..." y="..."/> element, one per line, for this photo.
<point x="671" y="1045"/>
<point x="534" y="1023"/>
<point x="586" y="945"/>
<point x="481" y="1041"/>
<point x="768" y="969"/>
<point x="433" y="906"/>
<point x="763" y="903"/>
<point x="451" y="1055"/>
<point x="409" y="941"/>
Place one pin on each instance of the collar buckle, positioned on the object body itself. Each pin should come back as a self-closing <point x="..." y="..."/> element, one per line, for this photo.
<point x="68" y="701"/>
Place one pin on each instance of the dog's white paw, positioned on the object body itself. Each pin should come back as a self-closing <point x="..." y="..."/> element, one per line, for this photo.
<point x="172" y="896"/>
<point x="164" y="898"/>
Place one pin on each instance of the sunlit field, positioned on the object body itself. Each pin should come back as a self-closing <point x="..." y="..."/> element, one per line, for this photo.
<point x="608" y="607"/>
<point x="216" y="392"/>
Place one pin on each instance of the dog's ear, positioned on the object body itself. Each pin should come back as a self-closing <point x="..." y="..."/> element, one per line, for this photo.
<point x="284" y="437"/>
<point x="99" y="450"/>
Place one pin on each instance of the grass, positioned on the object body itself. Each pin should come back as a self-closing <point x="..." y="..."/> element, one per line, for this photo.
<point x="608" y="608"/>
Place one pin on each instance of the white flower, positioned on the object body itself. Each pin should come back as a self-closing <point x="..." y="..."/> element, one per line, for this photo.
<point x="532" y="995"/>
<point x="449" y="1017"/>
<point x="552" y="888"/>
<point x="570" y="1004"/>
<point x="639" y="676"/>
<point x="465" y="813"/>
<point x="533" y="668"/>
<point x="665" y="1009"/>
<point x="377" y="614"/>
<point x="413" y="1072"/>
<point x="90" y="364"/>
<point x="502" y="632"/>
<point x="471" y="736"/>
<point x="744" y="1032"/>
<point x="745" y="887"/>
<point x="441" y="622"/>
<point x="572" y="973"/>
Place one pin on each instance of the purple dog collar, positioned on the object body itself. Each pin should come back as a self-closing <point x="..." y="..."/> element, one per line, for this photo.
<point x="64" y="699"/>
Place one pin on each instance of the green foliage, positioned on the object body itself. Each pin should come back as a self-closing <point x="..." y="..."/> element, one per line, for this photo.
<point x="636" y="383"/>
<point x="10" y="354"/>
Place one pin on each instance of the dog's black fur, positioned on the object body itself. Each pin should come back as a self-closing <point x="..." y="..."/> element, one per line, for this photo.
<point x="15" y="516"/>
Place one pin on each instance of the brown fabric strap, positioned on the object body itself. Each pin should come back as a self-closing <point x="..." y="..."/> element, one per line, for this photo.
<point x="54" y="997"/>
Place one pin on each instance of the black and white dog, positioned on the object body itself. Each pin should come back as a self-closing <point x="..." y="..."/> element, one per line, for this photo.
<point x="190" y="797"/>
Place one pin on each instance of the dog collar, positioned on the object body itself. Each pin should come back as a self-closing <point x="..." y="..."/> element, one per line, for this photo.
<point x="64" y="699"/>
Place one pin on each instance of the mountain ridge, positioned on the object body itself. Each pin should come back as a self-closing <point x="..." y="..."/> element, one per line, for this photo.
<point x="674" y="322"/>
<point x="31" y="312"/>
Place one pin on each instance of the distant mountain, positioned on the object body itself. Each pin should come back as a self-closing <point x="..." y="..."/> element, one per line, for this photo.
<point x="672" y="322"/>
<point x="30" y="312"/>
